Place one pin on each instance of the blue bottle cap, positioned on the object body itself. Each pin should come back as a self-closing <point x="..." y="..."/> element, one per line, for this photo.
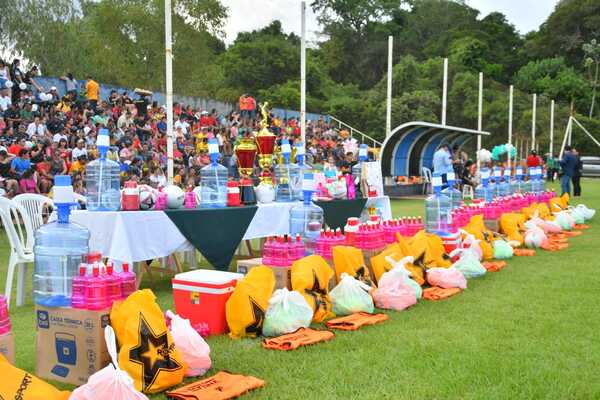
<point x="62" y="180"/>
<point x="363" y="152"/>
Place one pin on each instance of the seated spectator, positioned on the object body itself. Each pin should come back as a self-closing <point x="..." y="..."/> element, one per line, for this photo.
<point x="21" y="163"/>
<point x="28" y="183"/>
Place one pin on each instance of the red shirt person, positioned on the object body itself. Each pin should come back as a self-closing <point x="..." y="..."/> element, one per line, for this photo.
<point x="533" y="160"/>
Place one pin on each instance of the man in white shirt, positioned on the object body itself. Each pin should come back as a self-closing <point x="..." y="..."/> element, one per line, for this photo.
<point x="183" y="125"/>
<point x="58" y="136"/>
<point x="5" y="101"/>
<point x="36" y="128"/>
<point x="79" y="150"/>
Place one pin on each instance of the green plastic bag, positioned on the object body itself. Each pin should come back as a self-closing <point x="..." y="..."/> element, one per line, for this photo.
<point x="502" y="250"/>
<point x="351" y="296"/>
<point x="288" y="311"/>
<point x="468" y="263"/>
<point x="577" y="215"/>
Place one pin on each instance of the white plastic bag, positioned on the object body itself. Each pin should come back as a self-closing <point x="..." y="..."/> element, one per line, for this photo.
<point x="287" y="312"/>
<point x="351" y="296"/>
<point x="577" y="215"/>
<point x="564" y="220"/>
<point x="110" y="382"/>
<point x="193" y="348"/>
<point x="534" y="235"/>
<point x="469" y="263"/>
<point x="400" y="266"/>
<point x="446" y="278"/>
<point x="588" y="213"/>
<point x="471" y="243"/>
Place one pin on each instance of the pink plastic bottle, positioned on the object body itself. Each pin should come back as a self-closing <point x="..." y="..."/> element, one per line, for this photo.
<point x="267" y="253"/>
<point x="113" y="283"/>
<point x="96" y="294"/>
<point x="128" y="281"/>
<point x="5" y="326"/>
<point x="299" y="246"/>
<point x="277" y="252"/>
<point x="78" y="291"/>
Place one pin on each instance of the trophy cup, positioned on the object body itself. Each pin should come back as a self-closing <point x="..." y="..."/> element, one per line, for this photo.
<point x="245" y="152"/>
<point x="265" y="141"/>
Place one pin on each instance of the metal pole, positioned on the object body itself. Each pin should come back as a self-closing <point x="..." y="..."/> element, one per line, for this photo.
<point x="564" y="142"/>
<point x="169" y="90"/>
<point x="388" y="115"/>
<point x="445" y="91"/>
<point x="551" y="128"/>
<point x="479" y="119"/>
<point x="510" y="120"/>
<point x="303" y="74"/>
<point x="533" y="121"/>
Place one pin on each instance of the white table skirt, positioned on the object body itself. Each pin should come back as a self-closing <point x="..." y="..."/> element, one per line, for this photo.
<point x="145" y="235"/>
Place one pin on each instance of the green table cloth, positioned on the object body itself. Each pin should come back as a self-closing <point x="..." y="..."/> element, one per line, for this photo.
<point x="215" y="232"/>
<point x="337" y="212"/>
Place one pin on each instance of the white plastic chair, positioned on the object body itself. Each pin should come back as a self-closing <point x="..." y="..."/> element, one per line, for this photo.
<point x="467" y="192"/>
<point x="18" y="229"/>
<point x="427" y="177"/>
<point x="34" y="206"/>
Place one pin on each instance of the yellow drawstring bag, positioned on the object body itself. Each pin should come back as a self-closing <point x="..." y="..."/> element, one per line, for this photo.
<point x="476" y="227"/>
<point x="19" y="384"/>
<point x="350" y="260"/>
<point x="512" y="224"/>
<point x="559" y="203"/>
<point x="428" y="251"/>
<point x="245" y="309"/>
<point x="310" y="277"/>
<point x="146" y="349"/>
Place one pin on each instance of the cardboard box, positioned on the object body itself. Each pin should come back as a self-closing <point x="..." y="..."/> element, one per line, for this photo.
<point x="70" y="343"/>
<point x="7" y="347"/>
<point x="283" y="275"/>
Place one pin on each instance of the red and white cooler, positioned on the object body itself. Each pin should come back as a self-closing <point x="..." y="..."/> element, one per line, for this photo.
<point x="200" y="296"/>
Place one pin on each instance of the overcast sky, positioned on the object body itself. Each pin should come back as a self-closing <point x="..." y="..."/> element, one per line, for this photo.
<point x="245" y="15"/>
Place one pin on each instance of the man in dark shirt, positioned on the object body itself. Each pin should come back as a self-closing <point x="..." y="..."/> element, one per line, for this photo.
<point x="568" y="165"/>
<point x="576" y="179"/>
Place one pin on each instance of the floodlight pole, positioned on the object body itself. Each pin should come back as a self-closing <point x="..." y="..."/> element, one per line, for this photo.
<point x="169" y="90"/>
<point x="533" y="120"/>
<point x="388" y="114"/>
<point x="510" y="121"/>
<point x="445" y="92"/>
<point x="303" y="74"/>
<point x="551" y="150"/>
<point x="479" y="119"/>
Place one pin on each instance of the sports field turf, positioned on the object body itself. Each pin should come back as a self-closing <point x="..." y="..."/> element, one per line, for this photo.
<point x="530" y="331"/>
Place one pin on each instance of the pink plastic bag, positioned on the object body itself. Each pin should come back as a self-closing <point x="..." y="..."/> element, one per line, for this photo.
<point x="110" y="382"/>
<point x="193" y="348"/>
<point x="393" y="292"/>
<point x="446" y="278"/>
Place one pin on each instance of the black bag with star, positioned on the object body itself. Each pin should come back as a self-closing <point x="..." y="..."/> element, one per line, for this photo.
<point x="146" y="349"/>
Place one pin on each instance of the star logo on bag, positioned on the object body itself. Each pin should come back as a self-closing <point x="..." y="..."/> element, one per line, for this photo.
<point x="152" y="353"/>
<point x="258" y="318"/>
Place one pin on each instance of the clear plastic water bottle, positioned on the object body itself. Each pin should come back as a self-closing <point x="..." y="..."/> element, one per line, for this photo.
<point x="302" y="169"/>
<point x="539" y="175"/>
<point x="452" y="192"/>
<point x="213" y="180"/>
<point x="517" y="183"/>
<point x="306" y="219"/>
<point x="287" y="175"/>
<point x="505" y="186"/>
<point x="438" y="209"/>
<point x="532" y="180"/>
<point x="102" y="181"/>
<point x="60" y="247"/>
<point x="363" y="156"/>
<point x="495" y="185"/>
<point x="483" y="190"/>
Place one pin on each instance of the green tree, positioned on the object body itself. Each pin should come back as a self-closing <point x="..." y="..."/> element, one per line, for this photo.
<point x="592" y="64"/>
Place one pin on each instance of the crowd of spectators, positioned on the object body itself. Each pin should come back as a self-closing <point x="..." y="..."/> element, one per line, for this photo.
<point x="43" y="134"/>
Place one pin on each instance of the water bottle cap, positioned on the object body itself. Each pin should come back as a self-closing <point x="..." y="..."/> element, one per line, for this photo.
<point x="436" y="181"/>
<point x="285" y="147"/>
<point x="451" y="176"/>
<point x="103" y="139"/>
<point x="308" y="183"/>
<point x="125" y="267"/>
<point x="497" y="172"/>
<point x="507" y="172"/>
<point x="300" y="149"/>
<point x="485" y="173"/>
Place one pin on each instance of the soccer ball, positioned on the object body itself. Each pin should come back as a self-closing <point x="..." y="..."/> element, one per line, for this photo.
<point x="22" y="86"/>
<point x="8" y="84"/>
<point x="147" y="197"/>
<point x="175" y="196"/>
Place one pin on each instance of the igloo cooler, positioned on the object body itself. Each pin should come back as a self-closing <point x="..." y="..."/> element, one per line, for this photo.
<point x="200" y="296"/>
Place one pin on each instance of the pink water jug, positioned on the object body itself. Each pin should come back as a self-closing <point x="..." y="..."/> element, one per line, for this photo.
<point x="78" y="288"/>
<point x="96" y="293"/>
<point x="113" y="284"/>
<point x="128" y="281"/>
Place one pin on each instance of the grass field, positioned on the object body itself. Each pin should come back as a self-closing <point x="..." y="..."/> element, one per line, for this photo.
<point x="530" y="331"/>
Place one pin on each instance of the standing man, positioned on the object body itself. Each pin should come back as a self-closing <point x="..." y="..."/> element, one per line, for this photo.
<point x="442" y="162"/>
<point x="577" y="174"/>
<point x="568" y="165"/>
<point x="92" y="92"/>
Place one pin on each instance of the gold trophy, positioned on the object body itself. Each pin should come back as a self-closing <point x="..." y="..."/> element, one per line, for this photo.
<point x="265" y="141"/>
